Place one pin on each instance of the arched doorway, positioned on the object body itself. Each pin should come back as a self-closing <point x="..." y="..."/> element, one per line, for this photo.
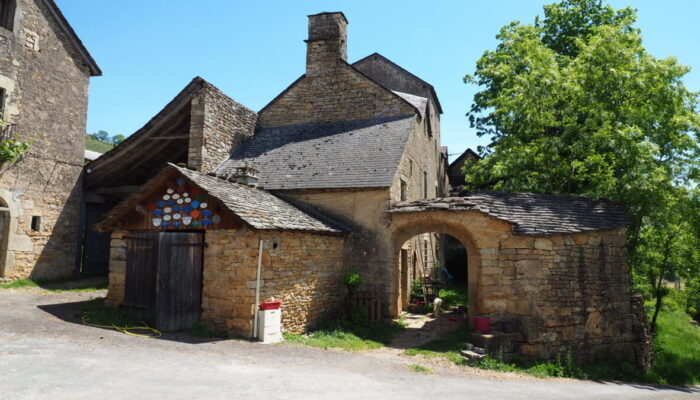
<point x="433" y="265"/>
<point x="439" y="229"/>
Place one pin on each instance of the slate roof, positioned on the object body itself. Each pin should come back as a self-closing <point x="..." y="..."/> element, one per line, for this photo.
<point x="531" y="214"/>
<point x="418" y="102"/>
<point x="348" y="154"/>
<point x="258" y="208"/>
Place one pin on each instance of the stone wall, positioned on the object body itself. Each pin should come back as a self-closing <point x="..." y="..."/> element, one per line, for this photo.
<point x="567" y="292"/>
<point x="217" y="124"/>
<point x="341" y="94"/>
<point x="46" y="98"/>
<point x="302" y="270"/>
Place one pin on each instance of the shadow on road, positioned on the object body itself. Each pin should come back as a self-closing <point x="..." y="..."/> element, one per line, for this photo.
<point x="71" y="312"/>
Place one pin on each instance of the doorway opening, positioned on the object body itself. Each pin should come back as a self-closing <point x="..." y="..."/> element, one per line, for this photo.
<point x="164" y="278"/>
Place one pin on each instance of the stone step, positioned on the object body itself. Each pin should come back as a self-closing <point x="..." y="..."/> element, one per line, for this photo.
<point x="471" y="355"/>
<point x="495" y="342"/>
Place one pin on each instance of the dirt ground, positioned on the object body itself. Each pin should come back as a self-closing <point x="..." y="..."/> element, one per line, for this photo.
<point x="45" y="352"/>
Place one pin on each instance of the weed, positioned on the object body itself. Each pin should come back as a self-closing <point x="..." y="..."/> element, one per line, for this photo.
<point x="421" y="369"/>
<point x="347" y="335"/>
<point x="48" y="285"/>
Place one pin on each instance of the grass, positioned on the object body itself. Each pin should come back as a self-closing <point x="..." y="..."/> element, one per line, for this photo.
<point x="421" y="369"/>
<point x="30" y="283"/>
<point x="95" y="313"/>
<point x="348" y="336"/>
<point x="453" y="296"/>
<point x="95" y="145"/>
<point x="201" y="330"/>
<point x="676" y="348"/>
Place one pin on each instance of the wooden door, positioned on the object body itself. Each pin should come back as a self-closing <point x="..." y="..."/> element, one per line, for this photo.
<point x="141" y="272"/>
<point x="179" y="291"/>
<point x="96" y="244"/>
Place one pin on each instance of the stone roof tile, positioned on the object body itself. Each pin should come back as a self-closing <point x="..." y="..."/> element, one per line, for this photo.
<point x="531" y="214"/>
<point x="346" y="154"/>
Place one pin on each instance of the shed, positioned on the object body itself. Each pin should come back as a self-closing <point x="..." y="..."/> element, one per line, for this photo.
<point x="185" y="248"/>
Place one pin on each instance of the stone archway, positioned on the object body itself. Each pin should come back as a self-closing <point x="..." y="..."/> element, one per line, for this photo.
<point x="402" y="232"/>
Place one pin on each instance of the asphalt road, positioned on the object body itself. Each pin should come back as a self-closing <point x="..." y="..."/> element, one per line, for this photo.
<point x="46" y="353"/>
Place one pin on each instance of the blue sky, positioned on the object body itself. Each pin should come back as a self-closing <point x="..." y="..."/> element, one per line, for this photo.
<point x="150" y="49"/>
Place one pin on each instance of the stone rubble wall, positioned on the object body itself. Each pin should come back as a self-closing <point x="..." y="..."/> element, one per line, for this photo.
<point x="336" y="94"/>
<point x="568" y="293"/>
<point x="218" y="123"/>
<point x="302" y="270"/>
<point x="46" y="98"/>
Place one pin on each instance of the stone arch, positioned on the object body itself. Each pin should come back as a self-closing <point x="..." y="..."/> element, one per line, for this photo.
<point x="403" y="231"/>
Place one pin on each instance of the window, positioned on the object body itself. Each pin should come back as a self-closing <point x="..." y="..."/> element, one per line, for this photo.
<point x="7" y="13"/>
<point x="404" y="195"/>
<point x="428" y="125"/>
<point x="36" y="223"/>
<point x="2" y="104"/>
<point x="425" y="185"/>
<point x="410" y="167"/>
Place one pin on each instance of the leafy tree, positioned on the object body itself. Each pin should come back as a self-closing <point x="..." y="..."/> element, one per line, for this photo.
<point x="574" y="104"/>
<point x="116" y="139"/>
<point x="102" y="136"/>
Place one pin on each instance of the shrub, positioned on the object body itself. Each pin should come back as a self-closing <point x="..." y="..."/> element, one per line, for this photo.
<point x="352" y="282"/>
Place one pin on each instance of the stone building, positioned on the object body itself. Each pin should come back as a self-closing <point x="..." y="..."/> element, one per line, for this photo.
<point x="44" y="76"/>
<point x="342" y="171"/>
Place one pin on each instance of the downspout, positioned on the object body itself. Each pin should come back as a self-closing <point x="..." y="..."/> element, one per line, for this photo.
<point x="257" y="290"/>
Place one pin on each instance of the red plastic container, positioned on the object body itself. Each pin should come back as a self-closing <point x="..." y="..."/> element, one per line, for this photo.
<point x="482" y="324"/>
<point x="270" y="305"/>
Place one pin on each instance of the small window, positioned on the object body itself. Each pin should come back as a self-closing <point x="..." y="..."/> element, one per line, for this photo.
<point x="2" y="104"/>
<point x="428" y="125"/>
<point x="7" y="13"/>
<point x="410" y="167"/>
<point x="404" y="195"/>
<point x="36" y="223"/>
<point x="425" y="185"/>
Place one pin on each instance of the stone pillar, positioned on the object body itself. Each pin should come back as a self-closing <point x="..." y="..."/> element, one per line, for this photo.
<point x="327" y="43"/>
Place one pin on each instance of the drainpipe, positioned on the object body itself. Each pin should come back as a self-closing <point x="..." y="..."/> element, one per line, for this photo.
<point x="257" y="291"/>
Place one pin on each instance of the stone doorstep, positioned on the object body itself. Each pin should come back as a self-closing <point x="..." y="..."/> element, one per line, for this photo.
<point x="495" y="342"/>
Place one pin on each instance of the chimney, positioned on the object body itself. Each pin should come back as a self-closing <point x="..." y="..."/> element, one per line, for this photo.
<point x="327" y="42"/>
<point x="243" y="174"/>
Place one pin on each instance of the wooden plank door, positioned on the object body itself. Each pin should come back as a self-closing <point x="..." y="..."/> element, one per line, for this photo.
<point x="179" y="291"/>
<point x="141" y="271"/>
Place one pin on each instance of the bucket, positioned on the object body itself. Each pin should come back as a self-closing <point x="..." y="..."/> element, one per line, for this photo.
<point x="481" y="324"/>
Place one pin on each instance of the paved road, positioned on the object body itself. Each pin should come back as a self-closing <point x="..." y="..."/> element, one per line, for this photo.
<point x="45" y="353"/>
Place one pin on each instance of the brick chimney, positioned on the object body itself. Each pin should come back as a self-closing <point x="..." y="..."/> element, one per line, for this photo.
<point x="327" y="42"/>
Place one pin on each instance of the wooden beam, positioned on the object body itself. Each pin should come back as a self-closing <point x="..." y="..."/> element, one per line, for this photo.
<point x="174" y="137"/>
<point x="118" y="189"/>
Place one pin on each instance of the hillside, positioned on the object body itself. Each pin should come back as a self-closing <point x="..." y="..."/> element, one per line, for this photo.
<point x="95" y="145"/>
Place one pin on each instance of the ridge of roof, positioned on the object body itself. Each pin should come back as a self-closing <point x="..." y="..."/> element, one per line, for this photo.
<point x="257" y="208"/>
<point x="407" y="72"/>
<point x="530" y="213"/>
<point x="183" y="96"/>
<point x="73" y="37"/>
<point x="464" y="154"/>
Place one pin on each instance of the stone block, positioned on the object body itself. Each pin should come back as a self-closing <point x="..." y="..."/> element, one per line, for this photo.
<point x="543" y="244"/>
<point x="494" y="342"/>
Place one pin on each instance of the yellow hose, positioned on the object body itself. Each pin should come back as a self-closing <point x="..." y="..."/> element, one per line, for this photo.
<point x="155" y="333"/>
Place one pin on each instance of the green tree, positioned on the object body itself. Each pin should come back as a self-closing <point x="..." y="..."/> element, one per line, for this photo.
<point x="574" y="104"/>
<point x="116" y="139"/>
<point x="101" y="135"/>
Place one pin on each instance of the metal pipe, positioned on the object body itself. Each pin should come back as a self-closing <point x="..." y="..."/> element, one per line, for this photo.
<point x="257" y="290"/>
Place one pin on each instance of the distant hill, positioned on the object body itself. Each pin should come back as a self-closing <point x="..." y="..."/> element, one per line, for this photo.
<point x="95" y="145"/>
